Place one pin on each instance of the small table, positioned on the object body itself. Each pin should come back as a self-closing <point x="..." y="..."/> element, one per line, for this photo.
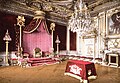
<point x="81" y="70"/>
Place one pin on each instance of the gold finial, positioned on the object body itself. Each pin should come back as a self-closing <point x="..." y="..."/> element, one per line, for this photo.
<point x="52" y="26"/>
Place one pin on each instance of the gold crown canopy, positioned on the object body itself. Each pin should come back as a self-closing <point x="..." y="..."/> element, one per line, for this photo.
<point x="39" y="14"/>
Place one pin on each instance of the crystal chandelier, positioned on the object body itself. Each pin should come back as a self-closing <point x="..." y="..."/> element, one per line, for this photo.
<point x="80" y="20"/>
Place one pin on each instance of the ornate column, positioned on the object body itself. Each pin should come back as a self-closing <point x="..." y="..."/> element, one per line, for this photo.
<point x="7" y="39"/>
<point x="82" y="46"/>
<point x="102" y="33"/>
<point x="95" y="33"/>
<point x="52" y="28"/>
<point x="68" y="41"/>
<point x="78" y="44"/>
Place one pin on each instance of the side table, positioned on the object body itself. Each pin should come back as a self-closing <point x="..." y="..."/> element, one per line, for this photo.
<point x="116" y="55"/>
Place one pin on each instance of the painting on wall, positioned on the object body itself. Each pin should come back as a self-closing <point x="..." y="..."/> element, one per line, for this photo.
<point x="114" y="24"/>
<point x="89" y="47"/>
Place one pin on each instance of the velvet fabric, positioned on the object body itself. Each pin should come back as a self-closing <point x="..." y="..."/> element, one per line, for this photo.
<point x="81" y="68"/>
<point x="39" y="38"/>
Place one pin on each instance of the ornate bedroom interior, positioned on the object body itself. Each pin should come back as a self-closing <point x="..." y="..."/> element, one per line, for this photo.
<point x="44" y="32"/>
<point x="95" y="43"/>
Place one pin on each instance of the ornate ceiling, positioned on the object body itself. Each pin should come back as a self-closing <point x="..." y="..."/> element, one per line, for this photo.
<point x="57" y="11"/>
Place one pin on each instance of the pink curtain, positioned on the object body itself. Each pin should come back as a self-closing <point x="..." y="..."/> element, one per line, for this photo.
<point x="39" y="38"/>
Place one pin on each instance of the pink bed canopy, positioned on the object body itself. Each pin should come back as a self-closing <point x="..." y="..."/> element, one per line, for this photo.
<point x="36" y="34"/>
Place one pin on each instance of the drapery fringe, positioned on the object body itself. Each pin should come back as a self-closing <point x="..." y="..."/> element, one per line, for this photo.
<point x="79" y="78"/>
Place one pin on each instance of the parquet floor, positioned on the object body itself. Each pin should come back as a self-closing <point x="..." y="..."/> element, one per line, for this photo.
<point x="54" y="74"/>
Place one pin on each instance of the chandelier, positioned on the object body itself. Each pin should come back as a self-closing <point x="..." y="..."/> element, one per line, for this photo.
<point x="80" y="20"/>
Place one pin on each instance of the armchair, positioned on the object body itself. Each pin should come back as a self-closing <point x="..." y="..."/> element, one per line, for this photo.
<point x="37" y="53"/>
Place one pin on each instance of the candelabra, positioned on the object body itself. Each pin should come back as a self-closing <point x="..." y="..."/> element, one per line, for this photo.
<point x="20" y="23"/>
<point x="57" y="42"/>
<point x="7" y="38"/>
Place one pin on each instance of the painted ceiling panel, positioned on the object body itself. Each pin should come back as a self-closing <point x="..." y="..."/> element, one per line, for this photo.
<point x="57" y="11"/>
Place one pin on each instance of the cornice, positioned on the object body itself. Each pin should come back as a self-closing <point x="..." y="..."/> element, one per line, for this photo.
<point x="105" y="7"/>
